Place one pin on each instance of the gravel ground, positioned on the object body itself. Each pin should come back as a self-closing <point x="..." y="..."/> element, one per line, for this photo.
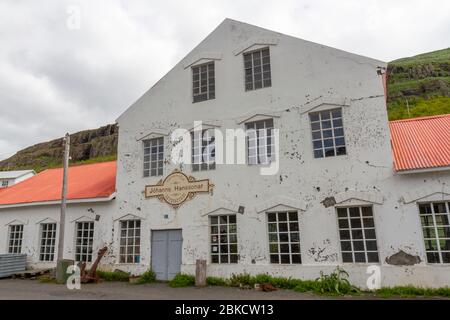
<point x="18" y="289"/>
<point x="36" y="290"/>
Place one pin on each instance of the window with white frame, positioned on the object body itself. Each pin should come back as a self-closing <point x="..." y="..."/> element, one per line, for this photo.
<point x="357" y="234"/>
<point x="130" y="241"/>
<point x="48" y="240"/>
<point x="84" y="238"/>
<point x="257" y="69"/>
<point x="260" y="141"/>
<point x="284" y="237"/>
<point x="153" y="157"/>
<point x="5" y="183"/>
<point x="327" y="133"/>
<point x="435" y="219"/>
<point x="223" y="232"/>
<point x="203" y="150"/>
<point x="15" y="238"/>
<point x="203" y="82"/>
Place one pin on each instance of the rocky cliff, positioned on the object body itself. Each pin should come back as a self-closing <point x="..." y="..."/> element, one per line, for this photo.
<point x="85" y="146"/>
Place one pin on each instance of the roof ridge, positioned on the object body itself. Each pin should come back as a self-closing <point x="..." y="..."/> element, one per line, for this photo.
<point x="421" y="118"/>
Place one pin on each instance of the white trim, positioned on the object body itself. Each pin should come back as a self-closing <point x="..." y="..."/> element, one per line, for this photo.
<point x="83" y="218"/>
<point x="419" y="194"/>
<point x="223" y="206"/>
<point x="369" y="197"/>
<point x="255" y="41"/>
<point x="205" y="125"/>
<point x="53" y="202"/>
<point x="423" y="170"/>
<point x="15" y="222"/>
<point x="324" y="103"/>
<point x="291" y="203"/>
<point x="202" y="57"/>
<point x="156" y="133"/>
<point x="47" y="220"/>
<point x="129" y="216"/>
<point x="258" y="114"/>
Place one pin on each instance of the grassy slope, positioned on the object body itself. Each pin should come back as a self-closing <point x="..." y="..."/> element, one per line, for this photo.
<point x="421" y="82"/>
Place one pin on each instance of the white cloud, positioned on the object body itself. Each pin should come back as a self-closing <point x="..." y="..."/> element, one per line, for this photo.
<point x="54" y="80"/>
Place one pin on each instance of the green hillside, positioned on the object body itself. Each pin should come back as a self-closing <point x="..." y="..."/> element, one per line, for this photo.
<point x="420" y="84"/>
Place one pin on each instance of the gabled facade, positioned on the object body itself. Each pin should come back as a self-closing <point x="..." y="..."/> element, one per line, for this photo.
<point x="335" y="200"/>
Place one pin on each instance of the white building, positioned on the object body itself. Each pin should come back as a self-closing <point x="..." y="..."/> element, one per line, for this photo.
<point x="336" y="199"/>
<point x="30" y="211"/>
<point x="339" y="196"/>
<point x="9" y="178"/>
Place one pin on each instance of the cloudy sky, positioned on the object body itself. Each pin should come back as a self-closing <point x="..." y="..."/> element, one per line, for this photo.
<point x="74" y="65"/>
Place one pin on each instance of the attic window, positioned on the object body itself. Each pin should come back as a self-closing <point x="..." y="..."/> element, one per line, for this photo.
<point x="203" y="82"/>
<point x="257" y="69"/>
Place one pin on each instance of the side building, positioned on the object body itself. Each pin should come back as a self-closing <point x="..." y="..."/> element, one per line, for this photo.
<point x="30" y="214"/>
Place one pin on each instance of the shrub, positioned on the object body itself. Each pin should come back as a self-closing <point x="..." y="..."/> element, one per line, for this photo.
<point x="335" y="283"/>
<point x="243" y="279"/>
<point x="182" y="280"/>
<point x="147" y="277"/>
<point x="216" y="281"/>
<point x="113" y="276"/>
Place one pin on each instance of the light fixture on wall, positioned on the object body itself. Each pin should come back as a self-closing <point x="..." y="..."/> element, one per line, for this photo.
<point x="241" y="209"/>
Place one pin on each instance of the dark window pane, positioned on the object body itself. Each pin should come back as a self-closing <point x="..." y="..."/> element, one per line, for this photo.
<point x="342" y="212"/>
<point x="347" y="257"/>
<point x="372" y="257"/>
<point x="343" y="223"/>
<point x="360" y="257"/>
<point x="433" y="257"/>
<point x="274" y="258"/>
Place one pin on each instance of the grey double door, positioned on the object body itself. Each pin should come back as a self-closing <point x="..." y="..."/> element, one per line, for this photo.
<point x="166" y="253"/>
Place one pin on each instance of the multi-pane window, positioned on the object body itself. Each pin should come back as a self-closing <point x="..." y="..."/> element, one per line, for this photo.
<point x="357" y="234"/>
<point x="203" y="150"/>
<point x="203" y="85"/>
<point x="435" y="219"/>
<point x="153" y="157"/>
<point x="15" y="238"/>
<point x="83" y="241"/>
<point x="327" y="133"/>
<point x="257" y="69"/>
<point x="223" y="239"/>
<point x="130" y="241"/>
<point x="284" y="237"/>
<point x="5" y="183"/>
<point x="260" y="142"/>
<point x="48" y="239"/>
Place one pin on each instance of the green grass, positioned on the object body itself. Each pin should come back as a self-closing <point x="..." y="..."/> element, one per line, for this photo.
<point x="148" y="276"/>
<point x="113" y="276"/>
<point x="419" y="107"/>
<point x="411" y="291"/>
<point x="395" y="88"/>
<point x="182" y="280"/>
<point x="216" y="281"/>
<point x="439" y="56"/>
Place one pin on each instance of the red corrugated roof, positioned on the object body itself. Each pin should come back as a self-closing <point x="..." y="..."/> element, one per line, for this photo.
<point x="421" y="143"/>
<point x="84" y="182"/>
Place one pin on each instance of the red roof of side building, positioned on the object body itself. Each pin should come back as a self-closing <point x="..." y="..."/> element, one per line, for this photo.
<point x="84" y="182"/>
<point x="421" y="143"/>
